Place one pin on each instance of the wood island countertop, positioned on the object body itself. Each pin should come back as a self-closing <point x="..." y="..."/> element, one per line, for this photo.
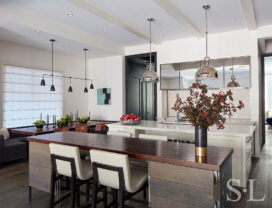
<point x="174" y="153"/>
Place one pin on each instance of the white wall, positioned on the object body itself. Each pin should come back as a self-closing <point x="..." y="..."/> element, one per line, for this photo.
<point x="21" y="55"/>
<point x="107" y="73"/>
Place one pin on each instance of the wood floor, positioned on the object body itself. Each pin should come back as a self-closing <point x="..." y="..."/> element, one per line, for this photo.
<point x="14" y="185"/>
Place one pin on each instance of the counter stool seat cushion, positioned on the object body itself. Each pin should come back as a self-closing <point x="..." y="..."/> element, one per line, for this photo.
<point x="119" y="133"/>
<point x="138" y="178"/>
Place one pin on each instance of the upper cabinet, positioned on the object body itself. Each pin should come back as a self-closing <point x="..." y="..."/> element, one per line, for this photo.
<point x="182" y="75"/>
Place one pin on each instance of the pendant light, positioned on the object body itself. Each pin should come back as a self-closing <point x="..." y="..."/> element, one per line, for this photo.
<point x="233" y="83"/>
<point x="52" y="88"/>
<point x="206" y="72"/>
<point x="70" y="89"/>
<point x="150" y="75"/>
<point x="91" y="86"/>
<point x="85" y="89"/>
<point x="43" y="81"/>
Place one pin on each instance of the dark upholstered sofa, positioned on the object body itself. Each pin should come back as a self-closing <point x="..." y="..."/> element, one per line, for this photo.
<point x="15" y="148"/>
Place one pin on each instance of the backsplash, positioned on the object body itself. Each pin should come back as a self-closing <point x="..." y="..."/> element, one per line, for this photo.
<point x="238" y="94"/>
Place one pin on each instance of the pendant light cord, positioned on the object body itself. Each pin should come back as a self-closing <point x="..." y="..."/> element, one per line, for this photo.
<point x="85" y="67"/>
<point x="150" y="41"/>
<point x="206" y="33"/>
<point x="52" y="41"/>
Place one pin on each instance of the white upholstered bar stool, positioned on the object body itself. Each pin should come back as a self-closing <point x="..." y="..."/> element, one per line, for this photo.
<point x="66" y="162"/>
<point x="153" y="137"/>
<point x="119" y="133"/>
<point x="113" y="170"/>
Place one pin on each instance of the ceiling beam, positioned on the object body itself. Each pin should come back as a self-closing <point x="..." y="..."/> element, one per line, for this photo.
<point x="87" y="6"/>
<point x="24" y="18"/>
<point x="249" y="14"/>
<point x="174" y="12"/>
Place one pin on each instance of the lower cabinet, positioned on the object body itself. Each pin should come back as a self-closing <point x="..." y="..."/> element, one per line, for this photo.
<point x="178" y="186"/>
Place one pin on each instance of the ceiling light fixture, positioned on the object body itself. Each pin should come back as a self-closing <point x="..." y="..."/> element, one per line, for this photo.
<point x="52" y="86"/>
<point x="70" y="89"/>
<point x="70" y="15"/>
<point x="233" y="83"/>
<point x="52" y="75"/>
<point x="206" y="72"/>
<point x="85" y="89"/>
<point x="150" y="75"/>
<point x="37" y="31"/>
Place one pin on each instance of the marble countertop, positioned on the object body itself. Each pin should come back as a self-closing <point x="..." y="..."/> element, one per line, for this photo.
<point x="240" y="130"/>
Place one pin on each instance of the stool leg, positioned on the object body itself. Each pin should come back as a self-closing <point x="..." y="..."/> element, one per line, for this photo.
<point x="120" y="199"/>
<point x="114" y="198"/>
<point x="78" y="195"/>
<point x="52" y="189"/>
<point x="87" y="191"/>
<point x="94" y="196"/>
<point x="144" y="192"/>
<point x="105" y="200"/>
<point x="73" y="192"/>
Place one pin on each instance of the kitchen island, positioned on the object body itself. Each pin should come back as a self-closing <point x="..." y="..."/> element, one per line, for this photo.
<point x="240" y="137"/>
<point x="177" y="178"/>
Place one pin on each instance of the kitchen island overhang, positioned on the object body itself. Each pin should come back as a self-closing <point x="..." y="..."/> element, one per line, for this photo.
<point x="184" y="172"/>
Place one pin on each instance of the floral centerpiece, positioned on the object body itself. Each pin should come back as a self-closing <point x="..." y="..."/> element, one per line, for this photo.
<point x="204" y="111"/>
<point x="39" y="124"/>
<point x="83" y="119"/>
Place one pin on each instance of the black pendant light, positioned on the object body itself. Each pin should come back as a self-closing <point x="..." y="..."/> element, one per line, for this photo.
<point x="91" y="86"/>
<point x="70" y="87"/>
<point x="85" y="89"/>
<point x="52" y="86"/>
<point x="43" y="81"/>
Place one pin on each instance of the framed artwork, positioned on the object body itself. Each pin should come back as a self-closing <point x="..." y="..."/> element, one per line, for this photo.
<point x="104" y="96"/>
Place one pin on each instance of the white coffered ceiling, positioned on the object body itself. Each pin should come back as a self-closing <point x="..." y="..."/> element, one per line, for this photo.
<point x="106" y="27"/>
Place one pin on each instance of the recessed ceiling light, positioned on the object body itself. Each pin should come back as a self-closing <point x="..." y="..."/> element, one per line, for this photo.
<point x="70" y="15"/>
<point x="37" y="31"/>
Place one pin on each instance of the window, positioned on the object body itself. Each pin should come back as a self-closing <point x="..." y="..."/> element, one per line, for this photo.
<point x="24" y="99"/>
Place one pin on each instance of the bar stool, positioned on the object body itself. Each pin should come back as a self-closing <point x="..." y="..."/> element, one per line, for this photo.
<point x="66" y="162"/>
<point x="119" y="133"/>
<point x="153" y="137"/>
<point x="113" y="170"/>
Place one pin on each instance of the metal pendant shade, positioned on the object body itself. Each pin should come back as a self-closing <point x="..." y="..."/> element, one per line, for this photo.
<point x="206" y="72"/>
<point x="70" y="89"/>
<point x="42" y="82"/>
<point x="233" y="83"/>
<point x="85" y="90"/>
<point x="52" y="88"/>
<point x="91" y="86"/>
<point x="150" y="75"/>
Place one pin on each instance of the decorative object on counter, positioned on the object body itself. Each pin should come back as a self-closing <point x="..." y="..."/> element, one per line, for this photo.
<point x="130" y="119"/>
<point x="204" y="111"/>
<point x="39" y="124"/>
<point x="52" y="75"/>
<point x="54" y="121"/>
<point x="104" y="96"/>
<point x="206" y="72"/>
<point x="47" y="121"/>
<point x="150" y="75"/>
<point x="72" y="119"/>
<point x="41" y="116"/>
<point x="233" y="83"/>
<point x="64" y="121"/>
<point x="83" y="119"/>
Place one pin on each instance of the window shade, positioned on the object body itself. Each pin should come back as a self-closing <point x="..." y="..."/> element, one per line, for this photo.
<point x="24" y="99"/>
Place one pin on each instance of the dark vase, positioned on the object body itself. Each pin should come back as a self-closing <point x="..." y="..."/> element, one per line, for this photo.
<point x="40" y="127"/>
<point x="200" y="141"/>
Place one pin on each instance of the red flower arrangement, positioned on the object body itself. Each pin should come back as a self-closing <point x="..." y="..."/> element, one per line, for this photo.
<point x="203" y="110"/>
